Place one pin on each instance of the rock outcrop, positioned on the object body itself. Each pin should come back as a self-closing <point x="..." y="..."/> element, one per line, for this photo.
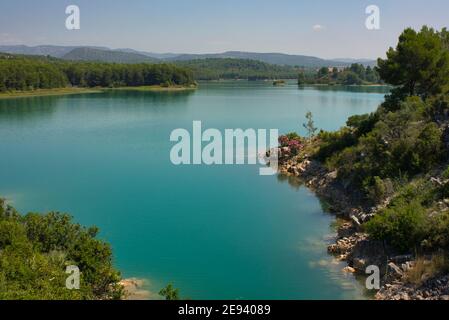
<point x="352" y="244"/>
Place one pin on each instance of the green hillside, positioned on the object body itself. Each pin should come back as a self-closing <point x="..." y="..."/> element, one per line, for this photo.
<point x="229" y="68"/>
<point x="99" y="55"/>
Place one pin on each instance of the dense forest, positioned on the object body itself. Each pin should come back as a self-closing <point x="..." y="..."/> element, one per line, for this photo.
<point x="93" y="74"/>
<point x="21" y="73"/>
<point x="231" y="68"/>
<point x="30" y="73"/>
<point x="35" y="250"/>
<point x="356" y="74"/>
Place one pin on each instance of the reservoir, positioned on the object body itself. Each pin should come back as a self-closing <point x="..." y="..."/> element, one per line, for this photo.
<point x="215" y="232"/>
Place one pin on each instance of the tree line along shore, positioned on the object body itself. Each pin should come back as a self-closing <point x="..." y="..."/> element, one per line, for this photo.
<point x="44" y="75"/>
<point x="22" y="75"/>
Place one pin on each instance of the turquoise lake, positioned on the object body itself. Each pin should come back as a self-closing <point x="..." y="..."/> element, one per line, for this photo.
<point x="215" y="232"/>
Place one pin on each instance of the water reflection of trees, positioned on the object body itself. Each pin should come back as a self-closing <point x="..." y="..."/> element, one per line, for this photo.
<point x="293" y="181"/>
<point x="357" y="89"/>
<point x="150" y="97"/>
<point x="297" y="184"/>
<point x="32" y="108"/>
<point x="27" y="108"/>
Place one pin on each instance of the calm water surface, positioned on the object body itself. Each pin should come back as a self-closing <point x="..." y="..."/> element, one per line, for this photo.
<point x="220" y="232"/>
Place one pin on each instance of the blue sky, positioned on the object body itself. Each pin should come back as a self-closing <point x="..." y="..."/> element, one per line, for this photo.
<point x="200" y="26"/>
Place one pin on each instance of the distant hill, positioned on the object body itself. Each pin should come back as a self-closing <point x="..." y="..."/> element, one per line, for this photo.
<point x="160" y="56"/>
<point x="141" y="56"/>
<point x="16" y="56"/>
<point x="92" y="54"/>
<point x="202" y="69"/>
<point x="54" y="51"/>
<point x="274" y="58"/>
<point x="365" y="62"/>
<point x="232" y="68"/>
<point x="87" y="53"/>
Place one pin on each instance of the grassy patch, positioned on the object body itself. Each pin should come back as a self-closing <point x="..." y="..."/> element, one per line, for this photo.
<point x="68" y="91"/>
<point x="426" y="269"/>
<point x="46" y="92"/>
<point x="156" y="88"/>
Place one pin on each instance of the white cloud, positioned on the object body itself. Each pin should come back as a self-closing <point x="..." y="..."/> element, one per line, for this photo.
<point x="318" y="28"/>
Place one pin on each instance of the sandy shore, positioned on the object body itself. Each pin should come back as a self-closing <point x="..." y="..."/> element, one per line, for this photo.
<point x="136" y="289"/>
<point x="70" y="91"/>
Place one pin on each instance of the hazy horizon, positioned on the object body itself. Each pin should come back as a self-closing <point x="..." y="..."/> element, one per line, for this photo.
<point x="181" y="53"/>
<point x="320" y="28"/>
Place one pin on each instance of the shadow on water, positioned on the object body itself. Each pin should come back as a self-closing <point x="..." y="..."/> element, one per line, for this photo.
<point x="331" y="263"/>
<point x="356" y="89"/>
<point x="26" y="108"/>
<point x="34" y="108"/>
<point x="294" y="182"/>
<point x="159" y="97"/>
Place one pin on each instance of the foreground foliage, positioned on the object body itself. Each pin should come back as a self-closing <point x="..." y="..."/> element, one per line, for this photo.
<point x="35" y="250"/>
<point x="170" y="293"/>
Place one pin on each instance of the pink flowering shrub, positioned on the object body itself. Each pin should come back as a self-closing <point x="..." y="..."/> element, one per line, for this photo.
<point x="295" y="146"/>
<point x="283" y="141"/>
<point x="292" y="142"/>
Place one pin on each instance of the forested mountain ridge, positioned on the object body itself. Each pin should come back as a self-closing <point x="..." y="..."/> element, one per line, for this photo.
<point x="271" y="58"/>
<point x="18" y="72"/>
<point x="99" y="55"/>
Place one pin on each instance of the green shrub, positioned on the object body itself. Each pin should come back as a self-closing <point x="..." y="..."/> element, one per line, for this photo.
<point x="170" y="293"/>
<point x="401" y="143"/>
<point x="421" y="190"/>
<point x="11" y="233"/>
<point x="363" y="124"/>
<point x="428" y="149"/>
<point x="293" y="136"/>
<point x="439" y="232"/>
<point x="380" y="190"/>
<point x="445" y="173"/>
<point x="403" y="225"/>
<point x="333" y="142"/>
<point x="35" y="250"/>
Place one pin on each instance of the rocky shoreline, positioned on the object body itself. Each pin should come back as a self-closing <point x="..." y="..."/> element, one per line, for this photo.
<point x="134" y="289"/>
<point x="352" y="244"/>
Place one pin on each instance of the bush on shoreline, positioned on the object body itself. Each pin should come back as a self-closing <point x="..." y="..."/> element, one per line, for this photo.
<point x="36" y="249"/>
<point x="402" y="225"/>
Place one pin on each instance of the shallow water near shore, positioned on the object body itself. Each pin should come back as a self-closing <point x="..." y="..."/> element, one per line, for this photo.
<point x="220" y="232"/>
